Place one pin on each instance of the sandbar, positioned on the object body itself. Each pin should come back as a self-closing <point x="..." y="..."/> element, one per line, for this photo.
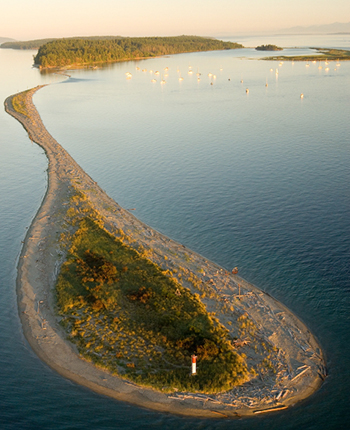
<point x="299" y="362"/>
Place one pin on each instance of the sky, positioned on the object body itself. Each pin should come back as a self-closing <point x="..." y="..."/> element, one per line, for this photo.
<point x="36" y="19"/>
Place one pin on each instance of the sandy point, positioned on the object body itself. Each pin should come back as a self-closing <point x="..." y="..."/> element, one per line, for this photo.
<point x="298" y="359"/>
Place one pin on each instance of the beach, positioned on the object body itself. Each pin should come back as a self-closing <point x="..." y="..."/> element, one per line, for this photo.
<point x="299" y="360"/>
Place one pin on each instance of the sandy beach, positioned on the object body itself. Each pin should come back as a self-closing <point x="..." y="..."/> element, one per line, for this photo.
<point x="297" y="359"/>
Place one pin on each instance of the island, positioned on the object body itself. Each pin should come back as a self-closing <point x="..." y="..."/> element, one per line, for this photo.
<point x="268" y="48"/>
<point x="78" y="52"/>
<point x="321" y="54"/>
<point x="114" y="305"/>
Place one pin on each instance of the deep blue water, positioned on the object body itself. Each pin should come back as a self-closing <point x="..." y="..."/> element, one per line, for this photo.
<point x="258" y="180"/>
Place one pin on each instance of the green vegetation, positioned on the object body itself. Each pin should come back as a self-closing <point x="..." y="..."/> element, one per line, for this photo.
<point x="19" y="103"/>
<point x="69" y="52"/>
<point x="268" y="48"/>
<point x="323" y="54"/>
<point x="37" y="43"/>
<point x="30" y="44"/>
<point x="126" y="315"/>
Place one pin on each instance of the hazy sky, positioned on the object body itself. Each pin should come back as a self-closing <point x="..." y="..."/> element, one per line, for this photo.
<point x="32" y="19"/>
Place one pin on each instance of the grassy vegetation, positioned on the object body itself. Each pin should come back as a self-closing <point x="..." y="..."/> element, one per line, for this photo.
<point x="323" y="54"/>
<point x="78" y="52"/>
<point x="19" y="103"/>
<point x="126" y="315"/>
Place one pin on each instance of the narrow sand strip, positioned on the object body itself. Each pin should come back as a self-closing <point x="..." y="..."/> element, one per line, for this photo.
<point x="299" y="363"/>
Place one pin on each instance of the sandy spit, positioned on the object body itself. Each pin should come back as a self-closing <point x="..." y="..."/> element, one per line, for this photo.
<point x="298" y="360"/>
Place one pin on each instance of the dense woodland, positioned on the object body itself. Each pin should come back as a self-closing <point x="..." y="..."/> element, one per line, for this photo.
<point x="67" y="52"/>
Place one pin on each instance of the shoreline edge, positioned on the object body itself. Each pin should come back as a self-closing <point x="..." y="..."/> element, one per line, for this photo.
<point x="38" y="268"/>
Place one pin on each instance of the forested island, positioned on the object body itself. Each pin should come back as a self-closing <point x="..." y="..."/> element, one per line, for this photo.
<point x="268" y="48"/>
<point x="88" y="51"/>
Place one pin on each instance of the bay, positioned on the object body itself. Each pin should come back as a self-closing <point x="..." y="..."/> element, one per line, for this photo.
<point x="257" y="180"/>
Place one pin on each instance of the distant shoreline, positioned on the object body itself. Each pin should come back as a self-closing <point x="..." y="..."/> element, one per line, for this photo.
<point x="324" y="55"/>
<point x="300" y="362"/>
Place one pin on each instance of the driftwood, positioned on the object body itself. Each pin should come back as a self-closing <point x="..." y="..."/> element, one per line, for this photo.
<point x="240" y="342"/>
<point x="279" y="408"/>
<point x="301" y="373"/>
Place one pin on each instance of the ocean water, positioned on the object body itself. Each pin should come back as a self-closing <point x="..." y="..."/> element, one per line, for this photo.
<point x="258" y="180"/>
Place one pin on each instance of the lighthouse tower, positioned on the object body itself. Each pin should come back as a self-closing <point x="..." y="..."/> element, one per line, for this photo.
<point x="194" y="363"/>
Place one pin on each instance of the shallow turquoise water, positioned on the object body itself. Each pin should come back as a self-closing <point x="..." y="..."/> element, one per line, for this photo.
<point x="257" y="180"/>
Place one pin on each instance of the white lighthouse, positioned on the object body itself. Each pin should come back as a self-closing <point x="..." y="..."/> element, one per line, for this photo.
<point x="194" y="363"/>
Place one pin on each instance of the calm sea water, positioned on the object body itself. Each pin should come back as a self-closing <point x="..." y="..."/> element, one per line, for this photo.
<point x="257" y="180"/>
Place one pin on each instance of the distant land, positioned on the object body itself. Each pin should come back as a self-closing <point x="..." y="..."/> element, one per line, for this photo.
<point x="86" y="52"/>
<point x="336" y="27"/>
<point x="37" y="43"/>
<point x="321" y="54"/>
<point x="5" y="39"/>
